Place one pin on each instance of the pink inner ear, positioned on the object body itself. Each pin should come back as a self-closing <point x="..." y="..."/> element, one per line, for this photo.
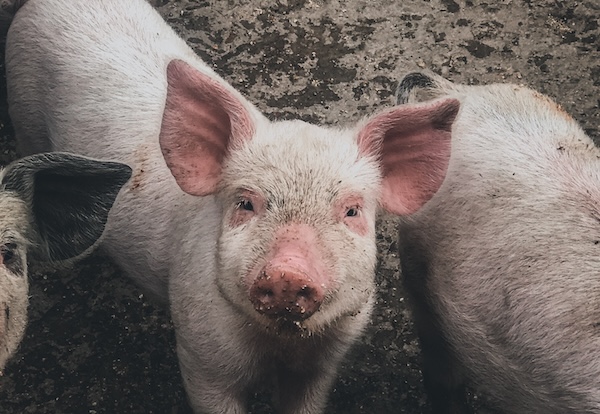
<point x="414" y="145"/>
<point x="201" y="120"/>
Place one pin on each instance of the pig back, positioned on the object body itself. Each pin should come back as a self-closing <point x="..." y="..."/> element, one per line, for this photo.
<point x="505" y="256"/>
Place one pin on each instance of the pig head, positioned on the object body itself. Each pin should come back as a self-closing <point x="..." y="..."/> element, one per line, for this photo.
<point x="52" y="207"/>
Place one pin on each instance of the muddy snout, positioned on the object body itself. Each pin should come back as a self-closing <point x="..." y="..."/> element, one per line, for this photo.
<point x="285" y="292"/>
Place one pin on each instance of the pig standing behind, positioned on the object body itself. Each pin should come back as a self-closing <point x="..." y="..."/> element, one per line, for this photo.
<point x="54" y="207"/>
<point x="260" y="233"/>
<point x="504" y="262"/>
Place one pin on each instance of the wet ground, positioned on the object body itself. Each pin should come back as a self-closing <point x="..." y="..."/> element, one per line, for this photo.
<point x="95" y="344"/>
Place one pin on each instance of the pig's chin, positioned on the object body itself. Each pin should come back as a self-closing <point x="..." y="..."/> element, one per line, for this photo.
<point x="10" y="336"/>
<point x="286" y="328"/>
<point x="282" y="327"/>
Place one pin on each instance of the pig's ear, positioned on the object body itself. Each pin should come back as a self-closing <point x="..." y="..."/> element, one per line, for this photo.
<point x="413" y="143"/>
<point x="201" y="121"/>
<point x="69" y="198"/>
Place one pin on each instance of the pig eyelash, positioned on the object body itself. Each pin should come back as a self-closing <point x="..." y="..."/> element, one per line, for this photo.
<point x="244" y="205"/>
<point x="353" y="211"/>
<point x="8" y="253"/>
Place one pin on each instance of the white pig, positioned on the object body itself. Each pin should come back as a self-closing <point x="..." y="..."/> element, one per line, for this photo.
<point x="260" y="234"/>
<point x="52" y="207"/>
<point x="503" y="263"/>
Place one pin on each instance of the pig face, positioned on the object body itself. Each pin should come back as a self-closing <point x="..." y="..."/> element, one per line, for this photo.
<point x="297" y="246"/>
<point x="53" y="206"/>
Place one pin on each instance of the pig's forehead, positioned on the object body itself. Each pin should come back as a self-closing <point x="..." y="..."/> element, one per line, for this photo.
<point x="302" y="146"/>
<point x="302" y="137"/>
<point x="305" y="159"/>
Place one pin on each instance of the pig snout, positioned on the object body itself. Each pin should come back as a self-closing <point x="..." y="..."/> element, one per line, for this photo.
<point x="292" y="282"/>
<point x="286" y="291"/>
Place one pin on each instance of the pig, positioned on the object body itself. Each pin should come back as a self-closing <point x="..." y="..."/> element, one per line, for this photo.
<point x="258" y="234"/>
<point x="503" y="263"/>
<point x="53" y="208"/>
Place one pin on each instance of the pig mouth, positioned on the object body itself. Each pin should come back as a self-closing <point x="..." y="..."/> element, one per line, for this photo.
<point x="292" y="328"/>
<point x="297" y="308"/>
<point x="287" y="328"/>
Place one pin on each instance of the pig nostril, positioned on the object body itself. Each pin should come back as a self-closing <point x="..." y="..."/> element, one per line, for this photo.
<point x="265" y="296"/>
<point x="305" y="292"/>
<point x="280" y="293"/>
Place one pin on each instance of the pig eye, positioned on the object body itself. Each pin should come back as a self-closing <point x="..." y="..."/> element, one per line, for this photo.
<point x="245" y="205"/>
<point x="352" y="212"/>
<point x="8" y="253"/>
<point x="10" y="258"/>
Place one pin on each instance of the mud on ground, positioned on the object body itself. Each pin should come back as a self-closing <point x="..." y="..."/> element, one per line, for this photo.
<point x="96" y="344"/>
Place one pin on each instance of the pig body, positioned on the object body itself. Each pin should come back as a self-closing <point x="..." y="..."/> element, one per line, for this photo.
<point x="47" y="211"/>
<point x="259" y="234"/>
<point x="503" y="262"/>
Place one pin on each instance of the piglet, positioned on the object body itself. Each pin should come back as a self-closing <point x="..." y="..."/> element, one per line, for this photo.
<point x="53" y="207"/>
<point x="503" y="263"/>
<point x="259" y="234"/>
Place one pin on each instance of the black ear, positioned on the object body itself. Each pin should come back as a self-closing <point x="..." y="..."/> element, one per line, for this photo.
<point x="69" y="197"/>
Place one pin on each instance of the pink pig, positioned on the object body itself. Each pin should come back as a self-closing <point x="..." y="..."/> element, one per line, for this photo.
<point x="260" y="234"/>
<point x="503" y="264"/>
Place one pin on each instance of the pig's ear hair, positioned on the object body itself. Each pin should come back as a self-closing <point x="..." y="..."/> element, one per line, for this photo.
<point x="413" y="144"/>
<point x="69" y="198"/>
<point x="202" y="120"/>
<point x="409" y="83"/>
<point x="422" y="86"/>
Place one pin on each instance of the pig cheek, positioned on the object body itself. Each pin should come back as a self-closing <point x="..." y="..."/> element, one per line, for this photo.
<point x="239" y="217"/>
<point x="239" y="250"/>
<point x="13" y="314"/>
<point x="358" y="224"/>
